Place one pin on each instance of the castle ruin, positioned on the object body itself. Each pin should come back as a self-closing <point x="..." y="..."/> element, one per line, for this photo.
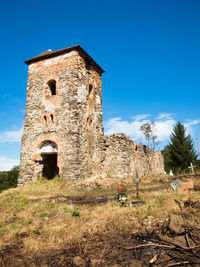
<point x="63" y="130"/>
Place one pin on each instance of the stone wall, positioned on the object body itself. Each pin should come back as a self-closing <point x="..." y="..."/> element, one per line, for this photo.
<point x="125" y="158"/>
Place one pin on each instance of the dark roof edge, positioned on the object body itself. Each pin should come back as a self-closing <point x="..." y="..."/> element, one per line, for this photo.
<point x="63" y="51"/>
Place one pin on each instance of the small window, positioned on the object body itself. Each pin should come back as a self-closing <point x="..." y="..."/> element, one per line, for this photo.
<point x="90" y="90"/>
<point x="51" y="117"/>
<point x="52" y="86"/>
<point x="45" y="119"/>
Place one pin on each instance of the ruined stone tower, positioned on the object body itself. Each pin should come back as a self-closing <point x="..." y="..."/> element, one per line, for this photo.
<point x="63" y="132"/>
<point x="63" y="129"/>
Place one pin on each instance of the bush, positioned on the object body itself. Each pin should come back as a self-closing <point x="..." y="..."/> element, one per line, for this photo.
<point x="9" y="179"/>
<point x="75" y="213"/>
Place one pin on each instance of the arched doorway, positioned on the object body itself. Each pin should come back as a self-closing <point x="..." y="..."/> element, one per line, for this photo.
<point x="48" y="150"/>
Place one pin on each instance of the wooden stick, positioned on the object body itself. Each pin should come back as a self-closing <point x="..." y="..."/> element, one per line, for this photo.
<point x="178" y="263"/>
<point x="161" y="246"/>
<point x="149" y="245"/>
<point x="187" y="239"/>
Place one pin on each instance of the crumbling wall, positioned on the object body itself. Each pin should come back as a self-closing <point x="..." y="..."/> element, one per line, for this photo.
<point x="125" y="158"/>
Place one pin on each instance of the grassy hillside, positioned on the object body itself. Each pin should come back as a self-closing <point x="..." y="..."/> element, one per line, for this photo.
<point x="41" y="217"/>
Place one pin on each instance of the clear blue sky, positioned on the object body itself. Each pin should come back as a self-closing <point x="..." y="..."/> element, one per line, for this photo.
<point x="150" y="50"/>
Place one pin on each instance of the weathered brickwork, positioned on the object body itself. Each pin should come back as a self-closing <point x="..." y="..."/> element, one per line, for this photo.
<point x="63" y="132"/>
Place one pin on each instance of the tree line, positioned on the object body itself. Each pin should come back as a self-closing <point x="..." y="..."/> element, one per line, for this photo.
<point x="180" y="151"/>
<point x="9" y="179"/>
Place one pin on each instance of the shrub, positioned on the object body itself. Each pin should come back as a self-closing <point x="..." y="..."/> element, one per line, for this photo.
<point x="9" y="179"/>
<point x="75" y="213"/>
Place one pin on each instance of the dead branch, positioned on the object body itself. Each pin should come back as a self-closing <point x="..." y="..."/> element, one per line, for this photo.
<point x="178" y="263"/>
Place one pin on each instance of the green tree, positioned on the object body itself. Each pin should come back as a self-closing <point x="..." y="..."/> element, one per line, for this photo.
<point x="9" y="179"/>
<point x="180" y="152"/>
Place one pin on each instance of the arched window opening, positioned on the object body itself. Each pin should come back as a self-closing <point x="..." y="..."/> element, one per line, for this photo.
<point x="45" y="119"/>
<point x="90" y="90"/>
<point x="136" y="148"/>
<point x="51" y="117"/>
<point x="52" y="86"/>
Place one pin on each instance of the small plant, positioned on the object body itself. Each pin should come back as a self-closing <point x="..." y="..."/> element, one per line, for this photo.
<point x="43" y="214"/>
<point x="26" y="223"/>
<point x="37" y="231"/>
<point x="66" y="209"/>
<point x="2" y="233"/>
<point x="13" y="226"/>
<point x="149" y="210"/>
<point x="50" y="205"/>
<point x="75" y="213"/>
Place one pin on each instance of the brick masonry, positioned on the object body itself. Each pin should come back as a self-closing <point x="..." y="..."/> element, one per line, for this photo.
<point x="71" y="118"/>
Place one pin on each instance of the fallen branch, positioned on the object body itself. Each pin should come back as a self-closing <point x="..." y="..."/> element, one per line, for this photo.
<point x="178" y="263"/>
<point x="148" y="245"/>
<point x="161" y="246"/>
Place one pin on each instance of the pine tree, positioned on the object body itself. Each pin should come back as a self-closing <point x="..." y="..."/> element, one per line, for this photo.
<point x="180" y="152"/>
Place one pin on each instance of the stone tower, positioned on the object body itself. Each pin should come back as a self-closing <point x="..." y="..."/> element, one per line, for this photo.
<point x="63" y="132"/>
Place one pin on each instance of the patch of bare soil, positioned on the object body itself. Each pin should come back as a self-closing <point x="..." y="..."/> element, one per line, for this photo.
<point x="81" y="200"/>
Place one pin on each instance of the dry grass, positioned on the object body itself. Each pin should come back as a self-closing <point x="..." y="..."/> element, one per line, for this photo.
<point x="29" y="209"/>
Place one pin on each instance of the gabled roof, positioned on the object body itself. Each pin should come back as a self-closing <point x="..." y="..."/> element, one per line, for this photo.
<point x="50" y="54"/>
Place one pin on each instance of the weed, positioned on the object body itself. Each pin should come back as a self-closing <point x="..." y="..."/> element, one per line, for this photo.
<point x="66" y="209"/>
<point x="43" y="214"/>
<point x="2" y="233"/>
<point x="15" y="200"/>
<point x="149" y="210"/>
<point x="75" y="213"/>
<point x="37" y="231"/>
<point x="13" y="226"/>
<point x="50" y="205"/>
<point x="26" y="223"/>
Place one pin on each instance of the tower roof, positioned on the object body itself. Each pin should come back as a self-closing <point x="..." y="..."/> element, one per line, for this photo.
<point x="49" y="54"/>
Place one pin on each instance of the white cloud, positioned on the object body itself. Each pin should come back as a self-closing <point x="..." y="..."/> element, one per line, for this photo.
<point x="164" y="128"/>
<point x="11" y="136"/>
<point x="188" y="125"/>
<point x="117" y="125"/>
<point x="164" y="124"/>
<point x="132" y="129"/>
<point x="6" y="163"/>
<point x="163" y="116"/>
<point x="140" y="117"/>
